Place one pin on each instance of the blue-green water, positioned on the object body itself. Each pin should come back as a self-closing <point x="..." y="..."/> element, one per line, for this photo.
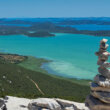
<point x="73" y="55"/>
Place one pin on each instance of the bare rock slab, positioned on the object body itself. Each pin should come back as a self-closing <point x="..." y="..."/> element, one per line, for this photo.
<point x="55" y="104"/>
<point x="44" y="103"/>
<point x="70" y="104"/>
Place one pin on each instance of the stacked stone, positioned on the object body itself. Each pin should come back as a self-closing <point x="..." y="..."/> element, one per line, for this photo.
<point x="99" y="99"/>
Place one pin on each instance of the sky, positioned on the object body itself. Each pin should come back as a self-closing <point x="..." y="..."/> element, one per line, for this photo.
<point x="54" y="8"/>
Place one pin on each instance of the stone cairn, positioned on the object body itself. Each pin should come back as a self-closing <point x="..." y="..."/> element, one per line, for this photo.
<point x="99" y="98"/>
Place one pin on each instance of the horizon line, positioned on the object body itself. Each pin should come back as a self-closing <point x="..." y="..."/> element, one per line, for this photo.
<point x="54" y="17"/>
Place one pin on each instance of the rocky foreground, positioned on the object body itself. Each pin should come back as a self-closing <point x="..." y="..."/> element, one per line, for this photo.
<point x="15" y="103"/>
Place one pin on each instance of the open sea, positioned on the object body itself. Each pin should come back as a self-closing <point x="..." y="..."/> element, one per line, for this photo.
<point x="72" y="55"/>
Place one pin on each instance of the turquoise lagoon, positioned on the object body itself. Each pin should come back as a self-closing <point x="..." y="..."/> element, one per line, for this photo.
<point x="72" y="55"/>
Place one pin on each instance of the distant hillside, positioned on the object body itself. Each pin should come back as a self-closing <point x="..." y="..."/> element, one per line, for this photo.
<point x="45" y="29"/>
<point x="84" y="21"/>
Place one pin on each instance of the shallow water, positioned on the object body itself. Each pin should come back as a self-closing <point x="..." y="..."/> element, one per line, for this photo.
<point x="73" y="55"/>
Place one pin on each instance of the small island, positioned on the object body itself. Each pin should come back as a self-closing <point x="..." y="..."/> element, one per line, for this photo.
<point x="45" y="29"/>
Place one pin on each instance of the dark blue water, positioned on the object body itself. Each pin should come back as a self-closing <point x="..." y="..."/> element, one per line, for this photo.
<point x="19" y="25"/>
<point x="59" y="20"/>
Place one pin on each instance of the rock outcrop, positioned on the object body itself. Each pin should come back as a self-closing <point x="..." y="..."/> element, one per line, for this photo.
<point x="99" y="98"/>
<point x="55" y="104"/>
<point x="15" y="103"/>
<point x="2" y="105"/>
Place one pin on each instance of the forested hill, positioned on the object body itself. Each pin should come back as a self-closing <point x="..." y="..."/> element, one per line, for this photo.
<point x="14" y="80"/>
<point x="47" y="28"/>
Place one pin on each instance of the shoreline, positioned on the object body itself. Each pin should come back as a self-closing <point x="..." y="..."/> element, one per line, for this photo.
<point x="31" y="68"/>
<point x="37" y="63"/>
<point x="40" y="65"/>
<point x="72" y="79"/>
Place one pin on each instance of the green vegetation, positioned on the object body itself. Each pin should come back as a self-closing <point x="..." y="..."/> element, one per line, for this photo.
<point x="14" y="81"/>
<point x="34" y="64"/>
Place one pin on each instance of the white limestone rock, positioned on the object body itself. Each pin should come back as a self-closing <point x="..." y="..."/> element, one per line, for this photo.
<point x="69" y="108"/>
<point x="55" y="104"/>
<point x="75" y="105"/>
<point x="15" y="103"/>
<point x="65" y="103"/>
<point x="46" y="103"/>
<point x="103" y="41"/>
